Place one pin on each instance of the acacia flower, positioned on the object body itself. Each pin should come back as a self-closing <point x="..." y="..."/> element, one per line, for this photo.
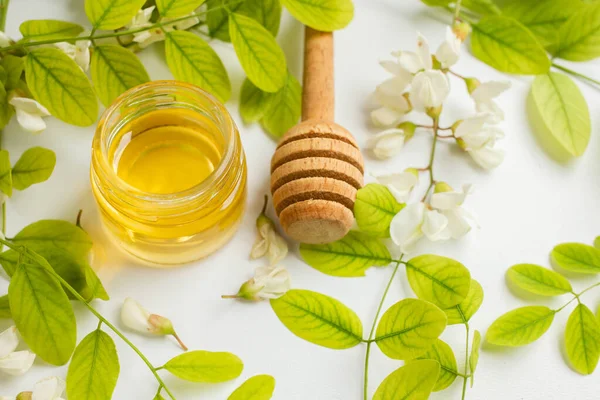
<point x="388" y="143"/>
<point x="449" y="202"/>
<point x="30" y="113"/>
<point x="142" y="20"/>
<point x="400" y="184"/>
<point x="479" y="141"/>
<point x="137" y="318"/>
<point x="417" y="61"/>
<point x="78" y="52"/>
<point x="13" y="362"/>
<point x="415" y="221"/>
<point x="47" y="389"/>
<point x="449" y="51"/>
<point x="268" y="242"/>
<point x="483" y="94"/>
<point x="268" y="283"/>
<point x="392" y="103"/>
<point x="429" y="89"/>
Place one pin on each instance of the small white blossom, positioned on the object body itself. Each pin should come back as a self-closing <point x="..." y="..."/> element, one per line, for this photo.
<point x="449" y="51"/>
<point x="479" y="141"/>
<point x="392" y="103"/>
<point x="49" y="389"/>
<point x="268" y="243"/>
<point x="399" y="184"/>
<point x="449" y="203"/>
<point x="142" y="20"/>
<point x="419" y="60"/>
<point x="415" y="221"/>
<point x="429" y="90"/>
<point x="13" y="362"/>
<point x="388" y="143"/>
<point x="185" y="24"/>
<point x="78" y="52"/>
<point x="268" y="283"/>
<point x="30" y="113"/>
<point x="484" y="94"/>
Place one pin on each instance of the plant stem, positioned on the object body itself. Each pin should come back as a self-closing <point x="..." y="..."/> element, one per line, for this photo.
<point x="466" y="374"/>
<point x="456" y="11"/>
<point x="436" y="127"/>
<point x="3" y="13"/>
<point x="577" y="295"/>
<point x="370" y="340"/>
<point x="93" y="36"/>
<point x="577" y="74"/>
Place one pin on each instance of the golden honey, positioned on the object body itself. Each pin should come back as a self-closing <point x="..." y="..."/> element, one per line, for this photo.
<point x="168" y="172"/>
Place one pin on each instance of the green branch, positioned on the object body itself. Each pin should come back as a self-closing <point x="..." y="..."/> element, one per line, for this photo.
<point x="577" y="74"/>
<point x="466" y="374"/>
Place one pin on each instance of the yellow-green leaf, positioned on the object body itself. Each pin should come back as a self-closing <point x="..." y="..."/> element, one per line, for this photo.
<point x="94" y="369"/>
<point x="111" y="14"/>
<point x="319" y="319"/>
<point x="560" y="113"/>
<point x="42" y="313"/>
<point x="443" y="354"/>
<point x="192" y="60"/>
<point x="462" y="312"/>
<point x="539" y="280"/>
<point x="579" y="37"/>
<point x="14" y="67"/>
<point x="374" y="209"/>
<point x="6" y="182"/>
<point x="114" y="70"/>
<point x="283" y="108"/>
<point x="258" y="52"/>
<point x="350" y="256"/>
<point x="409" y="328"/>
<point x="34" y="166"/>
<point x="474" y="357"/>
<point x="582" y="339"/>
<point x="177" y="8"/>
<point x="205" y="366"/>
<point x="265" y="12"/>
<point x="259" y="387"/>
<point x="414" y="381"/>
<point x="253" y="102"/>
<point x="577" y="257"/>
<point x="60" y="85"/>
<point x="323" y="15"/>
<point x="440" y="280"/>
<point x="521" y="326"/>
<point x="508" y="46"/>
<point x="44" y="29"/>
<point x="5" y="307"/>
<point x="94" y="289"/>
<point x="483" y="7"/>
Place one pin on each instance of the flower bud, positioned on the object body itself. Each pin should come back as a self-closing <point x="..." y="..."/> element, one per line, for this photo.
<point x="461" y="29"/>
<point x="472" y="84"/>
<point x="267" y="283"/>
<point x="408" y="128"/>
<point x="441" y="187"/>
<point x="25" y="396"/>
<point x="413" y="171"/>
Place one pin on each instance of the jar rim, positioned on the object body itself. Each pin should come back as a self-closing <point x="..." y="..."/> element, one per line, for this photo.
<point x="225" y="124"/>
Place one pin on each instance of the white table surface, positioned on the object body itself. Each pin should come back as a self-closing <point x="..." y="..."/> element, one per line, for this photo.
<point x="525" y="207"/>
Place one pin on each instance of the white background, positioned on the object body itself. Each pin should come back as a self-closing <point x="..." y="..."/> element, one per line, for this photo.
<point x="525" y="207"/>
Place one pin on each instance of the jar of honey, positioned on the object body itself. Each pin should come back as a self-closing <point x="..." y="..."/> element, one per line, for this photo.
<point x="168" y="172"/>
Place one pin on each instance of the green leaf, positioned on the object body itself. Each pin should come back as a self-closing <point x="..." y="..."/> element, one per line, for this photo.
<point x="259" y="387"/>
<point x="409" y="328"/>
<point x="6" y="183"/>
<point x="258" y="52"/>
<point x="265" y="12"/>
<point x="582" y="339"/>
<point x="45" y="29"/>
<point x="94" y="369"/>
<point x="205" y="366"/>
<point x="60" y="85"/>
<point x="440" y="280"/>
<point x="192" y="60"/>
<point x="6" y="110"/>
<point x="94" y="289"/>
<point x="350" y="256"/>
<point x="577" y="257"/>
<point x="508" y="46"/>
<point x="579" y="37"/>
<point x="483" y="7"/>
<point x="443" y="354"/>
<point x="284" y="108"/>
<point x="414" y="381"/>
<point x="42" y="313"/>
<point x="114" y="70"/>
<point x="560" y="112"/>
<point x="597" y="242"/>
<point x="111" y="14"/>
<point x="539" y="280"/>
<point x="322" y="15"/>
<point x="437" y="3"/>
<point x="462" y="312"/>
<point x="474" y="357"/>
<point x="543" y="18"/>
<point x="374" y="209"/>
<point x="319" y="319"/>
<point x="521" y="326"/>
<point x="14" y="67"/>
<point x="34" y="166"/>
<point x="177" y="8"/>
<point x="253" y="102"/>
<point x="5" y="307"/>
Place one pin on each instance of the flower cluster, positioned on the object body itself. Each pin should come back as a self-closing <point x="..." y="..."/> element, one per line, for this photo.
<point x="13" y="362"/>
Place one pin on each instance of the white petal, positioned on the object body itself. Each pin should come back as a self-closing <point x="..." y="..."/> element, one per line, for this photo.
<point x="17" y="363"/>
<point x="260" y="248"/>
<point x="435" y="226"/>
<point x="423" y="52"/>
<point x="67" y="48"/>
<point x="449" y="51"/>
<point x="488" y="157"/>
<point x="490" y="107"/>
<point x="390" y="94"/>
<point x="142" y="18"/>
<point x="410" y="61"/>
<point x="49" y="389"/>
<point x="387" y="143"/>
<point x="30" y="122"/>
<point x="429" y="89"/>
<point x="447" y="200"/>
<point x="82" y="54"/>
<point x="278" y="248"/>
<point x="472" y="124"/>
<point x="457" y="223"/>
<point x="134" y="316"/>
<point x="405" y="228"/>
<point x="29" y="105"/>
<point x="275" y="281"/>
<point x="399" y="184"/>
<point x="489" y="90"/>
<point x="8" y="341"/>
<point x="385" y="117"/>
<point x="396" y="69"/>
<point x="186" y="23"/>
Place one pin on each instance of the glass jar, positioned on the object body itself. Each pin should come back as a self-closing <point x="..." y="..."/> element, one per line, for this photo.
<point x="145" y="218"/>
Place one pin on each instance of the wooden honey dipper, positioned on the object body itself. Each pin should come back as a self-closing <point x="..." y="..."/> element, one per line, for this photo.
<point x="317" y="167"/>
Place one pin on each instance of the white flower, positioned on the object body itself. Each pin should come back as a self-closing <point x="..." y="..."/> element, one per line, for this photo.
<point x="450" y="202"/>
<point x="417" y="61"/>
<point x="479" y="141"/>
<point x="185" y="24"/>
<point x="399" y="184"/>
<point x="137" y="318"/>
<point x="388" y="143"/>
<point x="392" y="103"/>
<point x="449" y="51"/>
<point x="78" y="52"/>
<point x="49" y="389"/>
<point x="29" y="113"/>
<point x="414" y="221"/>
<point x="268" y="243"/>
<point x="13" y="362"/>
<point x="485" y="93"/>
<point x="4" y="40"/>
<point x="429" y="90"/>
<point x="142" y="20"/>
<point x="268" y="283"/>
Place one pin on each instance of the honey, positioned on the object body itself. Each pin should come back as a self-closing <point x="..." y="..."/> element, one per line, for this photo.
<point x="168" y="173"/>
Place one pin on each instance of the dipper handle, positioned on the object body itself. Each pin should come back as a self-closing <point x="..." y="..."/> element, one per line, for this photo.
<point x="318" y="99"/>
